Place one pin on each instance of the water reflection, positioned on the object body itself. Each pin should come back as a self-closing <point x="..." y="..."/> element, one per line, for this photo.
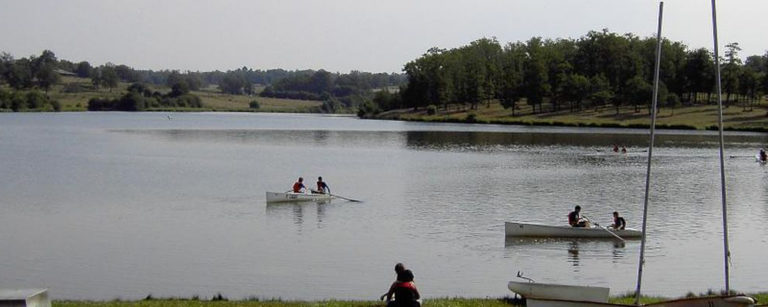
<point x="573" y="249"/>
<point x="298" y="211"/>
<point x="459" y="140"/>
<point x="445" y="140"/>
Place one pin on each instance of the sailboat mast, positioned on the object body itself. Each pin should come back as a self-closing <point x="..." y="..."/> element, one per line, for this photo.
<point x="650" y="154"/>
<point x="726" y="250"/>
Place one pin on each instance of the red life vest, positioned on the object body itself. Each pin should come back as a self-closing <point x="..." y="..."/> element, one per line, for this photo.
<point x="297" y="187"/>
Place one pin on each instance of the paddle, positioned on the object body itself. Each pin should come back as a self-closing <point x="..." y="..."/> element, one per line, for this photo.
<point x="337" y="196"/>
<point x="606" y="229"/>
<point x="349" y="199"/>
<point x="741" y="157"/>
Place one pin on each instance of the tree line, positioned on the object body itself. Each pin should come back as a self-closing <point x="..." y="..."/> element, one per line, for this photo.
<point x="599" y="69"/>
<point x="336" y="90"/>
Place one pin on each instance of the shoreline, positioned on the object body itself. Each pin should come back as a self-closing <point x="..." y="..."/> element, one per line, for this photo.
<point x="219" y="300"/>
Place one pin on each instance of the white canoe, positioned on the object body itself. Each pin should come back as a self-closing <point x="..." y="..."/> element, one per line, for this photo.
<point x="533" y="290"/>
<point x="273" y="197"/>
<point x="512" y="229"/>
<point x="714" y="301"/>
<point x="757" y="159"/>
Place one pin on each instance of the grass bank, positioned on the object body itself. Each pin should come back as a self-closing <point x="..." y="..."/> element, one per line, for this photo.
<point x="218" y="301"/>
<point x="691" y="117"/>
<point x="73" y="93"/>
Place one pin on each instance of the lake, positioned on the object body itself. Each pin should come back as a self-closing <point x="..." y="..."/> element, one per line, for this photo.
<point x="122" y="205"/>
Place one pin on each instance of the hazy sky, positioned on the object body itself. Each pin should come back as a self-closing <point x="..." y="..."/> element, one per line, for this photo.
<point x="341" y="35"/>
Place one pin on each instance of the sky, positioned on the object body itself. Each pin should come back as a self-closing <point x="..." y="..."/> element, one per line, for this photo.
<point x="342" y="35"/>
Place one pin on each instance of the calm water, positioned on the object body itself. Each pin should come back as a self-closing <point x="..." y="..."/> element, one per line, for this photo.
<point x="122" y="205"/>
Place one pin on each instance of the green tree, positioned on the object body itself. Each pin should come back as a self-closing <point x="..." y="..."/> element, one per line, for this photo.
<point x="638" y="92"/>
<point x="108" y="77"/>
<point x="577" y="89"/>
<point x="535" y="82"/>
<point x="600" y="92"/>
<point x="83" y="69"/>
<point x="731" y="70"/>
<point x="699" y="69"/>
<point x="20" y="75"/>
<point x="512" y="65"/>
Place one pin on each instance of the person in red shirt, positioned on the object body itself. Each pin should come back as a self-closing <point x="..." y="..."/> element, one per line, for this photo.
<point x="299" y="185"/>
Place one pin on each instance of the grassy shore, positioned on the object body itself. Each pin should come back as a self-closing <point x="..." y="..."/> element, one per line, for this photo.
<point x="691" y="117"/>
<point x="73" y="93"/>
<point x="761" y="297"/>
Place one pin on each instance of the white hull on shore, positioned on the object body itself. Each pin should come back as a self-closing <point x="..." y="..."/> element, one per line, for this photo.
<point x="512" y="229"/>
<point x="715" y="301"/>
<point x="532" y="290"/>
<point x="274" y="197"/>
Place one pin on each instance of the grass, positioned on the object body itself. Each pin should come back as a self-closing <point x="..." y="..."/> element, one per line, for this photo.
<point x="219" y="301"/>
<point x="445" y="302"/>
<point x="73" y="93"/>
<point x="692" y="117"/>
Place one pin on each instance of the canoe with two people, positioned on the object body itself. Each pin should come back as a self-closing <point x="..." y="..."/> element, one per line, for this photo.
<point x="403" y="291"/>
<point x="575" y="219"/>
<point x="322" y="187"/>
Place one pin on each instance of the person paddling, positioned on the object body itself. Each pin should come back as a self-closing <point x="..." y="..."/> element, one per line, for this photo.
<point x="322" y="187"/>
<point x="763" y="156"/>
<point x="298" y="186"/>
<point x="618" y="221"/>
<point x="575" y="220"/>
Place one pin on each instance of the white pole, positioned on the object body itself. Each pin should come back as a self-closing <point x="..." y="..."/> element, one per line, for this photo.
<point x="726" y="250"/>
<point x="650" y="154"/>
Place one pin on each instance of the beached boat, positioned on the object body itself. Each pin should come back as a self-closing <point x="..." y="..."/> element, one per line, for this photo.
<point x="273" y="197"/>
<point x="532" y="290"/>
<point x="513" y="229"/>
<point x="714" y="301"/>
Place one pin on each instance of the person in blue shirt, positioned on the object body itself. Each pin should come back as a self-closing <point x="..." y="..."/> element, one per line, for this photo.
<point x="322" y="187"/>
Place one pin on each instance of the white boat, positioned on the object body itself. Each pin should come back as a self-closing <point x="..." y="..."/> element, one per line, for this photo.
<point x="533" y="290"/>
<point x="714" y="301"/>
<point x="758" y="160"/>
<point x="513" y="229"/>
<point x="273" y="197"/>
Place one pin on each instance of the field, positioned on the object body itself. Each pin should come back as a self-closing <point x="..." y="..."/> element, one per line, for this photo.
<point x="692" y="117"/>
<point x="73" y="93"/>
<point x="439" y="302"/>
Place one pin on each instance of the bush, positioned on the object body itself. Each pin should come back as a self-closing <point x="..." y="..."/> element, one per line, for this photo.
<point x="36" y="100"/>
<point x="471" y="117"/>
<point x="431" y="109"/>
<point x="254" y="105"/>
<point x="56" y="105"/>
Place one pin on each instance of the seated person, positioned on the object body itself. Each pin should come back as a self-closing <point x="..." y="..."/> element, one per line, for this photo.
<point x="322" y="187"/>
<point x="405" y="292"/>
<point x="298" y="186"/>
<point x="618" y="222"/>
<point x="399" y="268"/>
<point x="575" y="220"/>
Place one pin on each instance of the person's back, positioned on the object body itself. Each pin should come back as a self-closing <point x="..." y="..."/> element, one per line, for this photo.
<point x="406" y="294"/>
<point x="322" y="187"/>
<point x="298" y="185"/>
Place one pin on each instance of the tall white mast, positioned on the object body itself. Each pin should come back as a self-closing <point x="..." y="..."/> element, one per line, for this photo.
<point x="726" y="250"/>
<point x="650" y="154"/>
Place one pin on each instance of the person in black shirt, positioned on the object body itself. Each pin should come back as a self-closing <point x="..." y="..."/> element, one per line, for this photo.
<point x="575" y="220"/>
<point x="618" y="222"/>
